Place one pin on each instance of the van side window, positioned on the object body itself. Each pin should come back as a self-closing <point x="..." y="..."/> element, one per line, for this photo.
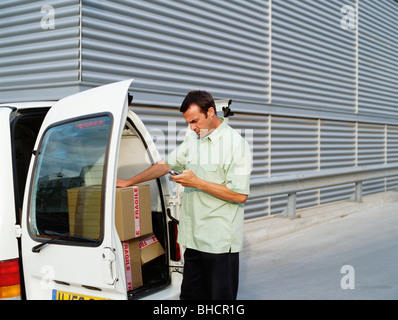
<point x="67" y="192"/>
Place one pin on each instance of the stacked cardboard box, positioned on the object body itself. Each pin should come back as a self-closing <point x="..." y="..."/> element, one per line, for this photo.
<point x="138" y="252"/>
<point x="150" y="248"/>
<point x="132" y="263"/>
<point x="133" y="220"/>
<point x="85" y="216"/>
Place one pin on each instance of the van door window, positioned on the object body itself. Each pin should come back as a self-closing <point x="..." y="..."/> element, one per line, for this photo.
<point x="67" y="193"/>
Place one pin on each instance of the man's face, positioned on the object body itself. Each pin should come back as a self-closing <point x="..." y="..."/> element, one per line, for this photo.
<point x="198" y="121"/>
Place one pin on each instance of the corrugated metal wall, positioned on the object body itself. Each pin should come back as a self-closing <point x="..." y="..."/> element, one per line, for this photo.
<point x="313" y="58"/>
<point x="378" y="56"/>
<point x="39" y="49"/>
<point x="313" y="82"/>
<point x="174" y="46"/>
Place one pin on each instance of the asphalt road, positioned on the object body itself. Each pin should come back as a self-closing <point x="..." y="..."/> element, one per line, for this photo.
<point x="350" y="258"/>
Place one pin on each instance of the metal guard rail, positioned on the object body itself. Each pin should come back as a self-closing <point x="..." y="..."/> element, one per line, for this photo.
<point x="291" y="184"/>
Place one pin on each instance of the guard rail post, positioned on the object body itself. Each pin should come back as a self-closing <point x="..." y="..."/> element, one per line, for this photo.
<point x="290" y="210"/>
<point x="357" y="196"/>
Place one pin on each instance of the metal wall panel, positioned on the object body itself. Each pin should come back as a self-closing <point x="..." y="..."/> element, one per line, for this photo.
<point x="337" y="150"/>
<point x="256" y="130"/>
<point x="294" y="149"/>
<point x="300" y="145"/>
<point x="371" y="144"/>
<point x="177" y="46"/>
<point x="294" y="145"/>
<point x="38" y="48"/>
<point x="392" y="154"/>
<point x="378" y="56"/>
<point x="165" y="125"/>
<point x="313" y="58"/>
<point x="372" y="151"/>
<point x="272" y="57"/>
<point x="392" y="144"/>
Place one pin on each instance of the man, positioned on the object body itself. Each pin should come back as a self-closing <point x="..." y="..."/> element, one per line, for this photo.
<point x="215" y="162"/>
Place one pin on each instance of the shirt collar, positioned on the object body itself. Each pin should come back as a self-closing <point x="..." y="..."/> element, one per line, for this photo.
<point x="216" y="134"/>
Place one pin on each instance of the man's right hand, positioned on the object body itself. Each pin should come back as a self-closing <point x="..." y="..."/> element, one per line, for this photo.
<point x="153" y="172"/>
<point x="122" y="183"/>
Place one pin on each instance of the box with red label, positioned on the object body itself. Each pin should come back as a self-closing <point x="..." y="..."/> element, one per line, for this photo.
<point x="133" y="216"/>
<point x="132" y="263"/>
<point x="150" y="248"/>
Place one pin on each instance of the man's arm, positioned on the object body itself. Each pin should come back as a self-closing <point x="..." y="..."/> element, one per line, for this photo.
<point x="189" y="179"/>
<point x="155" y="171"/>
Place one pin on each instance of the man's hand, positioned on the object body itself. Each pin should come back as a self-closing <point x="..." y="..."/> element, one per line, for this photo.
<point x="122" y="183"/>
<point x="189" y="179"/>
<point x="155" y="171"/>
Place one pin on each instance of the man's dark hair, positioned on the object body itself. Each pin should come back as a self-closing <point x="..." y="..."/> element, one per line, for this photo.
<point x="203" y="99"/>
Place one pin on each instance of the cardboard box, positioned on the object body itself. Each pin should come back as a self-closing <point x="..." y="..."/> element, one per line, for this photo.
<point x="133" y="216"/>
<point x="85" y="212"/>
<point x="150" y="248"/>
<point x="132" y="263"/>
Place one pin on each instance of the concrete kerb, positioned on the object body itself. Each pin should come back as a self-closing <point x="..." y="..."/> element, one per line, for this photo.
<point x="262" y="229"/>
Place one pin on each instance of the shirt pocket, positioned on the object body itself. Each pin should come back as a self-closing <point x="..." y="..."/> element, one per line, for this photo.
<point x="211" y="173"/>
<point x="209" y="167"/>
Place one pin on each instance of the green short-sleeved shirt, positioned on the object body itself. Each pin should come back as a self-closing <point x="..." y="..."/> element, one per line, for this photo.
<point x="207" y="223"/>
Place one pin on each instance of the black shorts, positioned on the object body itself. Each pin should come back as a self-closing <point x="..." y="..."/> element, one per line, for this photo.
<point x="209" y="276"/>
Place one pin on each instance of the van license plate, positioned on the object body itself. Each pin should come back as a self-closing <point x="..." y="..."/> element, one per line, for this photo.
<point x="63" y="295"/>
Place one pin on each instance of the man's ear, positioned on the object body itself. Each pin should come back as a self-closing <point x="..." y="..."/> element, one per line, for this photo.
<point x="211" y="112"/>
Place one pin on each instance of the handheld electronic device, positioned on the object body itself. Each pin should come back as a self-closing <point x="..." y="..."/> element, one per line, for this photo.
<point x="174" y="172"/>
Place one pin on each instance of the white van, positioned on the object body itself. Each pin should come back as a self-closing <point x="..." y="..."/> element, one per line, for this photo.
<point x="89" y="138"/>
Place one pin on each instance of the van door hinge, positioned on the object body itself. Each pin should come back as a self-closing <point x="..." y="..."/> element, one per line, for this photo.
<point x="18" y="231"/>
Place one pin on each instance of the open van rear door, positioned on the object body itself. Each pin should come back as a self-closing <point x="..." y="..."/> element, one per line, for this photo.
<point x="65" y="256"/>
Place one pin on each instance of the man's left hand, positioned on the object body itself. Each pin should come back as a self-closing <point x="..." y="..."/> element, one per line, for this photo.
<point x="187" y="179"/>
